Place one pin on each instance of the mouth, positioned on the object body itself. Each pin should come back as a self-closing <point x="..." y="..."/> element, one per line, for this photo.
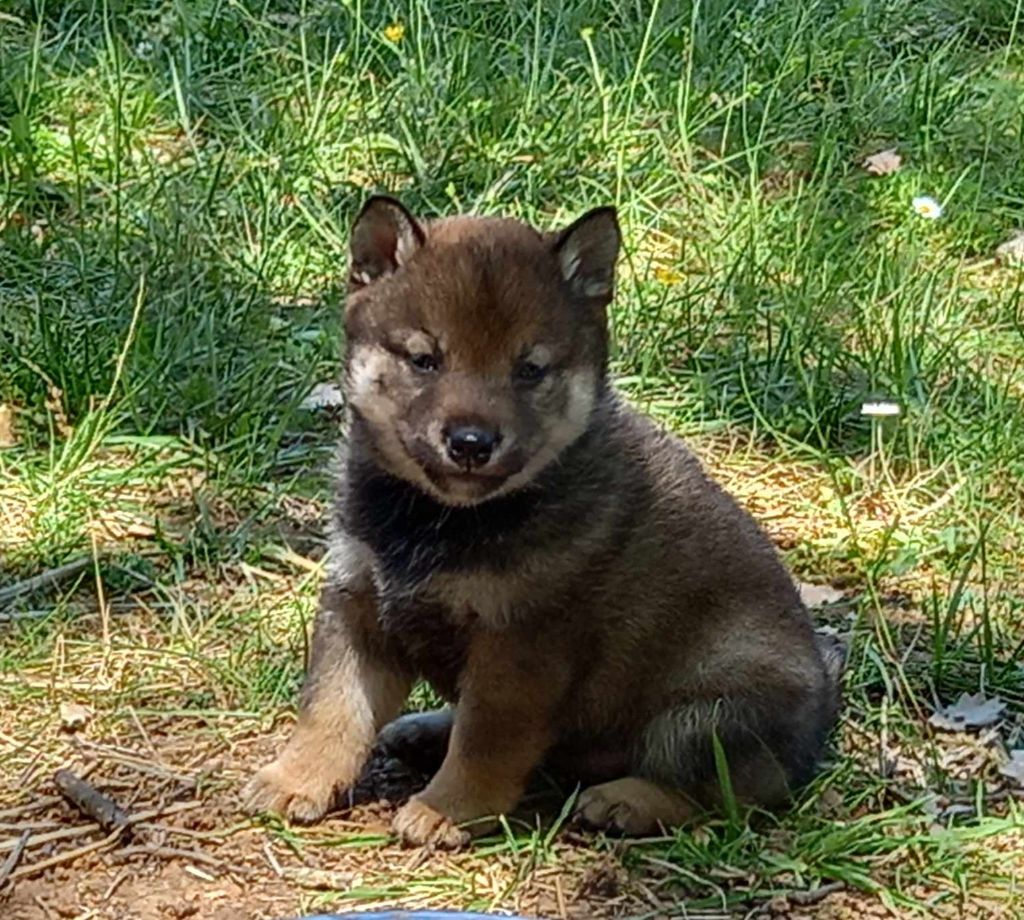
<point x="458" y="484"/>
<point x="476" y="484"/>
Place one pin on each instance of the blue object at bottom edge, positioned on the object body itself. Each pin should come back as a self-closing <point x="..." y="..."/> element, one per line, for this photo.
<point x="410" y="915"/>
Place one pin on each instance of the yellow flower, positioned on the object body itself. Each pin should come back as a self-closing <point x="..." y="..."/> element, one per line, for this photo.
<point x="394" y="32"/>
<point x="667" y="275"/>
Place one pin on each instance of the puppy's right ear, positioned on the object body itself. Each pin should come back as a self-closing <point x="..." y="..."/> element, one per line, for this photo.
<point x="384" y="237"/>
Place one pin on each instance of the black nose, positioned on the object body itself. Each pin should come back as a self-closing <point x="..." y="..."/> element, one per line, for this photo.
<point x="470" y="446"/>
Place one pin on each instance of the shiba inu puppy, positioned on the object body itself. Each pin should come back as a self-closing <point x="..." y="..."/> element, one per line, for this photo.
<point x="559" y="567"/>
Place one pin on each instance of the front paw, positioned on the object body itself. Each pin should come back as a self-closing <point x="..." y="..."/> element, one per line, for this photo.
<point x="300" y="792"/>
<point x="418" y="824"/>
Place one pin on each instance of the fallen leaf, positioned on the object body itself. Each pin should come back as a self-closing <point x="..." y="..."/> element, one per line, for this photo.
<point x="7" y="436"/>
<point x="819" y="595"/>
<point x="1012" y="251"/>
<point x="74" y="716"/>
<point x="883" y="163"/>
<point x="831" y="803"/>
<point x="323" y="396"/>
<point x="972" y="710"/>
<point x="1014" y="768"/>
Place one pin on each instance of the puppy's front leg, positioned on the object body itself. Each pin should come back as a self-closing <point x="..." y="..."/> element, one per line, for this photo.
<point x="351" y="690"/>
<point x="504" y="724"/>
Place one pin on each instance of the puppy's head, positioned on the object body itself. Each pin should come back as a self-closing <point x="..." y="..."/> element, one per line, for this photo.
<point x="476" y="348"/>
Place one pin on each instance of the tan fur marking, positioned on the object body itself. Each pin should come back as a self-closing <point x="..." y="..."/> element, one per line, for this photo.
<point x="633" y="806"/>
<point x="562" y="432"/>
<point x="352" y="698"/>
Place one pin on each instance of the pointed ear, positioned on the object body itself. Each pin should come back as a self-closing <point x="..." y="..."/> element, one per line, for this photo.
<point x="587" y="250"/>
<point x="384" y="236"/>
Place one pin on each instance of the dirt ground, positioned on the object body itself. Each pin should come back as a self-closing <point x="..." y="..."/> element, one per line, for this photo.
<point x="190" y="853"/>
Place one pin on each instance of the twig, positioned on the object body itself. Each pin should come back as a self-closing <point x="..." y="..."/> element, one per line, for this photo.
<point x="29" y="807"/>
<point x="215" y="835"/>
<point x="30" y="826"/>
<point x="37" y="840"/>
<point x="65" y="857"/>
<point x="90" y="801"/>
<point x="11" y="863"/>
<point x="66" y="833"/>
<point x="120" y="607"/>
<point x="45" y="908"/>
<point x="560" y="898"/>
<point x="318" y="879"/>
<point x="272" y="859"/>
<point x="42" y="580"/>
<point x="111" y="839"/>
<point x="170" y="853"/>
<point x="199" y="856"/>
<point x="112" y="887"/>
<point x="152" y="766"/>
<point x="813" y="895"/>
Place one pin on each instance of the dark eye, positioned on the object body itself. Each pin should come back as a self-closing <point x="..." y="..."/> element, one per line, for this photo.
<point x="528" y="372"/>
<point x="424" y="361"/>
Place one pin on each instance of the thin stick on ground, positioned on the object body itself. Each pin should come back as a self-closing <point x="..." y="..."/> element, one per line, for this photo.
<point x="65" y="857"/>
<point x="42" y="580"/>
<point x="13" y="858"/>
<point x="33" y="841"/>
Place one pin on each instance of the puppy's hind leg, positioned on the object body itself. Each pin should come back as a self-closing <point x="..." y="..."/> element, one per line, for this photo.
<point x="633" y="806"/>
<point x="768" y="750"/>
<point x="419" y="739"/>
<point x="768" y="746"/>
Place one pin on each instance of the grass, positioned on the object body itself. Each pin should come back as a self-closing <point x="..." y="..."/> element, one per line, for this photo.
<point x="175" y="186"/>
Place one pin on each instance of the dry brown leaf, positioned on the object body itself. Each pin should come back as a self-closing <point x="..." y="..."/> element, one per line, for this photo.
<point x="74" y="716"/>
<point x="972" y="710"/>
<point x="55" y="406"/>
<point x="1012" y="251"/>
<point x="883" y="163"/>
<point x="7" y="435"/>
<point x="819" y="595"/>
<point x="1014" y="768"/>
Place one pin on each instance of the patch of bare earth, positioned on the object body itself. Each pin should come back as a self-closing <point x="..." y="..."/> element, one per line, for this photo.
<point x="189" y="853"/>
<point x="139" y="694"/>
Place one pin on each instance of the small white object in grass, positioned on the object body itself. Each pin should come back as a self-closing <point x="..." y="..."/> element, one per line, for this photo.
<point x="74" y="716"/>
<point x="972" y="710"/>
<point x="323" y="396"/>
<point x="1012" y="251"/>
<point x="1014" y="768"/>
<point x="883" y="162"/>
<point x="881" y="408"/>
<point x="927" y="207"/>
<point x="819" y="595"/>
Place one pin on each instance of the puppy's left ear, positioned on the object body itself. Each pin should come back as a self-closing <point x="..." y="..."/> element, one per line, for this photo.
<point x="586" y="251"/>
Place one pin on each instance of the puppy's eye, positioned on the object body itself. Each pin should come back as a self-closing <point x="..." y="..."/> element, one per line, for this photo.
<point x="425" y="361"/>
<point x="528" y="372"/>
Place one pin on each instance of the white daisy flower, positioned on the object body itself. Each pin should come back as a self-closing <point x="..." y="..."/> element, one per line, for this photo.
<point x="927" y="207"/>
<point x="880" y="408"/>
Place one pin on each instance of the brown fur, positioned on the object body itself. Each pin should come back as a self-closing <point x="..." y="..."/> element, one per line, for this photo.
<point x="585" y="596"/>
